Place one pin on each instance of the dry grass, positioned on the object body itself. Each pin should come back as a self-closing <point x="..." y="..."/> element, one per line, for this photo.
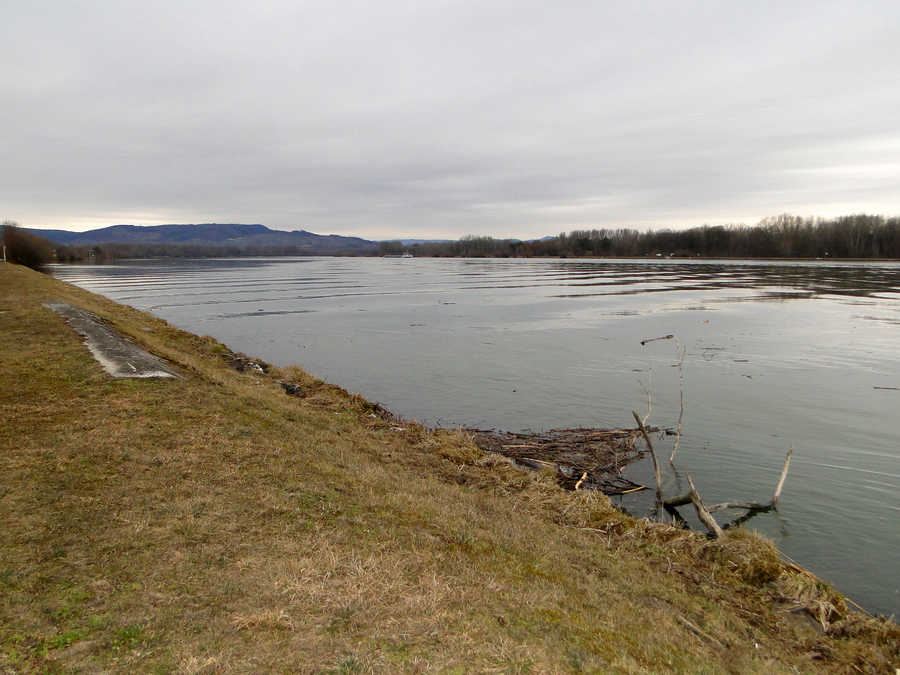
<point x="214" y="524"/>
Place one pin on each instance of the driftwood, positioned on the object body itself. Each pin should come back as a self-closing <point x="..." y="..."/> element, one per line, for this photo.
<point x="649" y="443"/>
<point x="678" y="501"/>
<point x="681" y="352"/>
<point x="784" y="471"/>
<point x="662" y="337"/>
<point x="750" y="506"/>
<point x="704" y="512"/>
<point x="591" y="459"/>
<point x="698" y="632"/>
<point x="582" y="459"/>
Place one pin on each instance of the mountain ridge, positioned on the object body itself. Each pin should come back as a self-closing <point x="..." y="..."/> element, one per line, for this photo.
<point x="207" y="234"/>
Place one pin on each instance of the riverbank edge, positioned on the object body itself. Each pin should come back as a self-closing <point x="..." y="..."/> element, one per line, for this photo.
<point x="726" y="603"/>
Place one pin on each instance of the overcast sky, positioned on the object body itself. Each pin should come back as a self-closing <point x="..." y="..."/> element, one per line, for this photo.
<point x="439" y="119"/>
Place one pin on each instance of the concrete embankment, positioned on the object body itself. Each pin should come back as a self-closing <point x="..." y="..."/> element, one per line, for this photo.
<point x="118" y="356"/>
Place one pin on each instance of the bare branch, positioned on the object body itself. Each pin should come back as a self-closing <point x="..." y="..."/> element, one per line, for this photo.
<point x="649" y="443"/>
<point x="663" y="337"/>
<point x="581" y="481"/>
<point x="698" y="632"/>
<point x="649" y="390"/>
<point x="784" y="472"/>
<point x="681" y="352"/>
<point x="750" y="506"/>
<point x="702" y="512"/>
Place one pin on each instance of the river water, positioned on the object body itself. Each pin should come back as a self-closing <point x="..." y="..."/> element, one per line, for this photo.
<point x="778" y="355"/>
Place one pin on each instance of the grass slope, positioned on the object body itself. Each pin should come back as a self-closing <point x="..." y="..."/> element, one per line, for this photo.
<point x="214" y="524"/>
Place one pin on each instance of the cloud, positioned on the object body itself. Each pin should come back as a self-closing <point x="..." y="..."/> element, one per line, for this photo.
<point x="447" y="118"/>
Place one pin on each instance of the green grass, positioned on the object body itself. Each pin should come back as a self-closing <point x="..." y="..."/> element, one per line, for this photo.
<point x="214" y="524"/>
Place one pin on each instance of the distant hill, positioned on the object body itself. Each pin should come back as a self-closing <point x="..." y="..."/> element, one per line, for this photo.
<point x="212" y="234"/>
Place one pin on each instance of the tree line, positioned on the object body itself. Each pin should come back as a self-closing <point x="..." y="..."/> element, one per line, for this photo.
<point x="785" y="236"/>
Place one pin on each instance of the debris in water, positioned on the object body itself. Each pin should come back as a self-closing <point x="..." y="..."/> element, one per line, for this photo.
<point x="591" y="459"/>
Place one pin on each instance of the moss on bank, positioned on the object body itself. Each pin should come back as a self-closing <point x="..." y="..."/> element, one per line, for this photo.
<point x="213" y="523"/>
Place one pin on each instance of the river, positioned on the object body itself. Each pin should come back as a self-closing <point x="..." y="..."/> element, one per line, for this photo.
<point x="778" y="355"/>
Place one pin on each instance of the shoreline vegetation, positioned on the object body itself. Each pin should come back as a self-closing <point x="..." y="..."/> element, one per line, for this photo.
<point x="784" y="237"/>
<point x="245" y="517"/>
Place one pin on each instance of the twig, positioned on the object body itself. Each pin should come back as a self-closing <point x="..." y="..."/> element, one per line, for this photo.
<point x="697" y="631"/>
<point x="542" y="462"/>
<point x="681" y="350"/>
<point x="784" y="471"/>
<point x="649" y="390"/>
<point x="581" y="480"/>
<point x="663" y="337"/>
<point x="649" y="443"/>
<point x="702" y="513"/>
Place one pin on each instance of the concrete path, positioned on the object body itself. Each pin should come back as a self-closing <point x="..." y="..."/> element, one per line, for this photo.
<point x="119" y="356"/>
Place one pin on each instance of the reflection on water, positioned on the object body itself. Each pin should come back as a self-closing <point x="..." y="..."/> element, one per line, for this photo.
<point x="778" y="355"/>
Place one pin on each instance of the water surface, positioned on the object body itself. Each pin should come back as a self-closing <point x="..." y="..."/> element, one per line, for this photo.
<point x="777" y="355"/>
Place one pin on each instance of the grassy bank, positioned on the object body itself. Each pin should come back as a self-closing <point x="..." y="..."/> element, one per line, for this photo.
<point x="213" y="523"/>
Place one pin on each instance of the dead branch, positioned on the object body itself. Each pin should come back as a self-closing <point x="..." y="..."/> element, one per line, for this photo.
<point x="784" y="471"/>
<point x="581" y="481"/>
<point x="759" y="506"/>
<point x="649" y="443"/>
<point x="681" y="351"/>
<point x="702" y="512"/>
<point x="698" y="632"/>
<point x="649" y="391"/>
<point x="663" y="337"/>
<point x="750" y="506"/>
<point x="678" y="501"/>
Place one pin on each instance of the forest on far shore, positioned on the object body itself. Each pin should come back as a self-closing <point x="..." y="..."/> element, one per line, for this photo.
<point x="785" y="236"/>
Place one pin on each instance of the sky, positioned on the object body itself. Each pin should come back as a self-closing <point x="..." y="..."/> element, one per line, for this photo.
<point x="441" y="119"/>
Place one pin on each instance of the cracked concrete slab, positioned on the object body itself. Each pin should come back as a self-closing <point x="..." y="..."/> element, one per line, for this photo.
<point x="118" y="356"/>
